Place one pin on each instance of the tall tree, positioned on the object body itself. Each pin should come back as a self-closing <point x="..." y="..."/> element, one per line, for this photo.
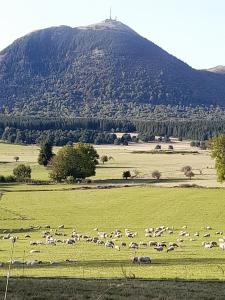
<point x="45" y="154"/>
<point x="217" y="145"/>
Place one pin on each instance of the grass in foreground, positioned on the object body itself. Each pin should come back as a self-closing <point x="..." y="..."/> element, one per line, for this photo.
<point x="61" y="288"/>
<point x="133" y="208"/>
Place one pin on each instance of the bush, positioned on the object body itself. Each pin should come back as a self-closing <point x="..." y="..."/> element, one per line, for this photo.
<point x="170" y="147"/>
<point x="186" y="169"/>
<point x="10" y="178"/>
<point x="156" y="174"/>
<point x="158" y="147"/>
<point x="70" y="179"/>
<point x="22" y="172"/>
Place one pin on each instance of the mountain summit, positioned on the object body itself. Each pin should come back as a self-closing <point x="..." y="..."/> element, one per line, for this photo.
<point x="59" y="69"/>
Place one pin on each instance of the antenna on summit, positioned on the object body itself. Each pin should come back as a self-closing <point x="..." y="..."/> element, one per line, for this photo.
<point x="110" y="14"/>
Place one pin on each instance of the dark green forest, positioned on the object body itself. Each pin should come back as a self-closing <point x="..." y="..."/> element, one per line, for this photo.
<point x="61" y="131"/>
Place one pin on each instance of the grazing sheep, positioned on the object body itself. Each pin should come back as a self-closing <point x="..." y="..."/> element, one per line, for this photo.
<point x="143" y="244"/>
<point x="70" y="241"/>
<point x="219" y="232"/>
<point x="170" y="248"/>
<point x="159" y="248"/>
<point x="206" y="235"/>
<point x="208" y="228"/>
<point x="208" y="246"/>
<point x="152" y="243"/>
<point x="33" y="262"/>
<point x="196" y="233"/>
<point x="148" y="234"/>
<point x="61" y="226"/>
<point x="109" y="244"/>
<point x="173" y="244"/>
<point x="35" y="251"/>
<point x="47" y="226"/>
<point x="117" y="248"/>
<point x="103" y="234"/>
<point x="222" y="246"/>
<point x="123" y="244"/>
<point x="141" y="259"/>
<point x="133" y="245"/>
<point x="17" y="262"/>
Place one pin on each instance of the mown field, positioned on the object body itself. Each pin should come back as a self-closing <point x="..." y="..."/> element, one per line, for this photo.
<point x="132" y="157"/>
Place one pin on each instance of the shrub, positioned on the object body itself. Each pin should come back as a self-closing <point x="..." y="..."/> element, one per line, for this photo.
<point x="186" y="169"/>
<point x="22" y="172"/>
<point x="156" y="174"/>
<point x="158" y="147"/>
<point x="70" y="179"/>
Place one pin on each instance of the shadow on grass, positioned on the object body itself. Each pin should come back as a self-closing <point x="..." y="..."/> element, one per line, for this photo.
<point x="138" y="181"/>
<point x="127" y="263"/>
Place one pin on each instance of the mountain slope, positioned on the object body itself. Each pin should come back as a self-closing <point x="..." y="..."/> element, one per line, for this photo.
<point x="58" y="69"/>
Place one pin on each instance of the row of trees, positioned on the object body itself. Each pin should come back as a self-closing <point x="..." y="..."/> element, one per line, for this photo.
<point x="62" y="130"/>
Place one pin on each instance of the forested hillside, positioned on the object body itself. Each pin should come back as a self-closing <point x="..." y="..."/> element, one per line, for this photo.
<point x="104" y="69"/>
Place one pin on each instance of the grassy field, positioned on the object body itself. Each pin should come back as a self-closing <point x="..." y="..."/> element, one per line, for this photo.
<point x="146" y="203"/>
<point x="125" y="158"/>
<point x="135" y="208"/>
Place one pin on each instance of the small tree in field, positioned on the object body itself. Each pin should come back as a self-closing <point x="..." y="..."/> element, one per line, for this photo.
<point x="126" y="175"/>
<point x="22" y="172"/>
<point x="158" y="147"/>
<point x="16" y="158"/>
<point x="170" y="147"/>
<point x="104" y="158"/>
<point x="189" y="174"/>
<point x="186" y="169"/>
<point x="156" y="174"/>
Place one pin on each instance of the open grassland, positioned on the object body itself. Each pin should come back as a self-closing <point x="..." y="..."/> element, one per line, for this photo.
<point x="79" y="289"/>
<point x="135" y="208"/>
<point x="132" y="157"/>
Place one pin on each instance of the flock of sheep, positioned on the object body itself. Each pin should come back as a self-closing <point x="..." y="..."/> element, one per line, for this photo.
<point x="117" y="240"/>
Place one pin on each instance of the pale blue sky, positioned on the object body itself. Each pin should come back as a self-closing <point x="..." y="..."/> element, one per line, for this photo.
<point x="192" y="30"/>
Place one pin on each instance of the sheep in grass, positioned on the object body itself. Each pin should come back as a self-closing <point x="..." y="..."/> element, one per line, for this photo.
<point x="141" y="260"/>
<point x="133" y="245"/>
<point x="159" y="248"/>
<point x="109" y="244"/>
<point x="152" y="243"/>
<point x="222" y="246"/>
<point x="170" y="248"/>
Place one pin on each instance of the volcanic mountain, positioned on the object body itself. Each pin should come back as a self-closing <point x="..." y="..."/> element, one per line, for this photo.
<point x="57" y="70"/>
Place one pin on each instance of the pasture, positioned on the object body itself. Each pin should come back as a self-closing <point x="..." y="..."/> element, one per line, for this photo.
<point x="132" y="157"/>
<point x="135" y="208"/>
<point x="26" y="209"/>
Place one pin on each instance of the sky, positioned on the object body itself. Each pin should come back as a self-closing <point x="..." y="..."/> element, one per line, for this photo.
<point x="191" y="30"/>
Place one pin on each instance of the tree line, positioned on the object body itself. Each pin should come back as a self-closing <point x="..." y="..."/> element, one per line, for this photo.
<point x="60" y="131"/>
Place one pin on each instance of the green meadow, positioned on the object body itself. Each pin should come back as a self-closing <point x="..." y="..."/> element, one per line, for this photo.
<point x="106" y="204"/>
